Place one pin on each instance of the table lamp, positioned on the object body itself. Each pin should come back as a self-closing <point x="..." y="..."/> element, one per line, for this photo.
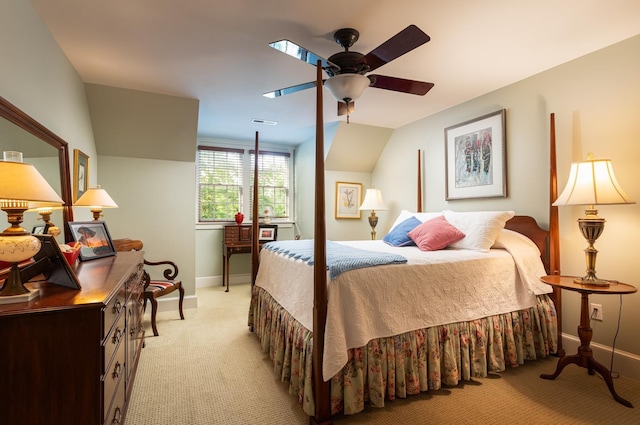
<point x="45" y="211"/>
<point x="95" y="198"/>
<point x="373" y="201"/>
<point x="21" y="185"/>
<point x="592" y="182"/>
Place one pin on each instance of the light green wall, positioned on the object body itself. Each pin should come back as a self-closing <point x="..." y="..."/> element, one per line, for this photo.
<point x="36" y="77"/>
<point x="139" y="124"/>
<point x="596" y="101"/>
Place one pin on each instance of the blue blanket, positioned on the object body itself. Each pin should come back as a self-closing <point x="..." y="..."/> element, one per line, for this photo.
<point x="340" y="258"/>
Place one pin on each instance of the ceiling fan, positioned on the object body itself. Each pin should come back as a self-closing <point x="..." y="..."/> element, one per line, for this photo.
<point x="347" y="69"/>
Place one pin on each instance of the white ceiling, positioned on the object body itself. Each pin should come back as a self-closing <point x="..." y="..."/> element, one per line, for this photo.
<point x="218" y="51"/>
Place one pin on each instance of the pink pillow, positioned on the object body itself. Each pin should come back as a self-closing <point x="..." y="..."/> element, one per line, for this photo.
<point x="435" y="234"/>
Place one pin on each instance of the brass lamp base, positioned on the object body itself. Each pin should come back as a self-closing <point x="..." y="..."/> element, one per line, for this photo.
<point x="97" y="212"/>
<point x="373" y="222"/>
<point x="591" y="280"/>
<point x="591" y="226"/>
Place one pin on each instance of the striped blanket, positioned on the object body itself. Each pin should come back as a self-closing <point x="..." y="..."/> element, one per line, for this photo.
<point x="340" y="258"/>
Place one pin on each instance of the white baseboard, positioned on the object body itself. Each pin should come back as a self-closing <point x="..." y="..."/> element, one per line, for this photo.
<point x="171" y="303"/>
<point x="626" y="364"/>
<point x="235" y="279"/>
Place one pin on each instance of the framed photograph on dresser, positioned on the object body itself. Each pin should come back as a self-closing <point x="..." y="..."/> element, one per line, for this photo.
<point x="94" y="239"/>
<point x="267" y="232"/>
<point x="55" y="267"/>
<point x="40" y="229"/>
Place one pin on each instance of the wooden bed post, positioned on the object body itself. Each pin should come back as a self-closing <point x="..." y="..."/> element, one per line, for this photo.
<point x="419" y="209"/>
<point x="320" y="388"/>
<point x="554" y="231"/>
<point x="255" y="250"/>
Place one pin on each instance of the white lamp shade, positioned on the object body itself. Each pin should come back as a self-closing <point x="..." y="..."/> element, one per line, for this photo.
<point x="373" y="201"/>
<point x="347" y="87"/>
<point x="592" y="183"/>
<point x="96" y="197"/>
<point x="22" y="182"/>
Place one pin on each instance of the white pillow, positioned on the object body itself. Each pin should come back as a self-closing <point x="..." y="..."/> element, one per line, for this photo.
<point x="480" y="227"/>
<point x="422" y="216"/>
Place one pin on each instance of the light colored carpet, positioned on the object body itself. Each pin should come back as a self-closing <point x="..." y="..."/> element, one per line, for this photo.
<point x="208" y="369"/>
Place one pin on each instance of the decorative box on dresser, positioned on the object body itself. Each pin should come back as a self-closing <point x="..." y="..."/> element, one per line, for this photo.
<point x="70" y="356"/>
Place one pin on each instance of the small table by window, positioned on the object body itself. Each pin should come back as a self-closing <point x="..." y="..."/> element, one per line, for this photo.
<point x="584" y="358"/>
<point x="237" y="240"/>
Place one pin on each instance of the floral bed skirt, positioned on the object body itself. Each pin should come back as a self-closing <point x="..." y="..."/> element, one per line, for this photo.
<point x="406" y="364"/>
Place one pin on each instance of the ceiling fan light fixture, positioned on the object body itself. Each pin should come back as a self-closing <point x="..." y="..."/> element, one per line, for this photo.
<point x="347" y="87"/>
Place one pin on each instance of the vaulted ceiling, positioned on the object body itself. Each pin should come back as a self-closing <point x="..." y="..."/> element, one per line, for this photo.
<point x="218" y="53"/>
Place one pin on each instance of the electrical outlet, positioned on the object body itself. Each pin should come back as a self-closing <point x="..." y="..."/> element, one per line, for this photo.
<point x="596" y="312"/>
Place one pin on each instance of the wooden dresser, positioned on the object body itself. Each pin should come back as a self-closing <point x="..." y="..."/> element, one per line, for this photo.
<point x="70" y="356"/>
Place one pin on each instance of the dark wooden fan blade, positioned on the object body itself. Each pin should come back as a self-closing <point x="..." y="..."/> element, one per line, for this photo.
<point x="419" y="88"/>
<point x="299" y="52"/>
<point x="345" y="108"/>
<point x="289" y="90"/>
<point x="401" y="43"/>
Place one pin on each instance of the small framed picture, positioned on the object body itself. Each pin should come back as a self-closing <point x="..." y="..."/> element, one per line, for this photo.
<point x="80" y="173"/>
<point x="40" y="229"/>
<point x="57" y="270"/>
<point x="94" y="239"/>
<point x="348" y="200"/>
<point x="268" y="232"/>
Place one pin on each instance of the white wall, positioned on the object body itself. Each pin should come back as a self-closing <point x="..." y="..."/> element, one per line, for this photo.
<point x="596" y="101"/>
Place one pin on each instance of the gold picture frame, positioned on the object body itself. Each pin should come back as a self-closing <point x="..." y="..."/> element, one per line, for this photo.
<point x="80" y="173"/>
<point x="348" y="200"/>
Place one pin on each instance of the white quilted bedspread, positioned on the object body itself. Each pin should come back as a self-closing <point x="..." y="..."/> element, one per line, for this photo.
<point x="433" y="288"/>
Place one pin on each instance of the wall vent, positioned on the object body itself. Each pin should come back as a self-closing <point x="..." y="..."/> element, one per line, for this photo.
<point x="263" y="122"/>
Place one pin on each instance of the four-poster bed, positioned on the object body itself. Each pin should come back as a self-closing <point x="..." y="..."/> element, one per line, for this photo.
<point x="331" y="374"/>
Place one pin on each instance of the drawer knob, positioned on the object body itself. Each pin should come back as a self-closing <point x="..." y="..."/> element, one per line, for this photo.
<point x="117" y="336"/>
<point x="117" y="307"/>
<point x="117" y="415"/>
<point x="116" y="370"/>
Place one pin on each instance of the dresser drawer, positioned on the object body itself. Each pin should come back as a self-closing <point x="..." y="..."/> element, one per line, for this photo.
<point x="237" y="234"/>
<point x="114" y="406"/>
<point x="134" y="284"/>
<point x="115" y="339"/>
<point x="112" y="380"/>
<point x="113" y="310"/>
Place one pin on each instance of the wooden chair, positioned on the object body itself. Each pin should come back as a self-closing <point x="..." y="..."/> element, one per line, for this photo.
<point x="155" y="288"/>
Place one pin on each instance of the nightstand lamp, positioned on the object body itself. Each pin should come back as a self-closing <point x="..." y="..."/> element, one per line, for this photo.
<point x="592" y="183"/>
<point x="96" y="198"/>
<point x="20" y="185"/>
<point x="373" y="201"/>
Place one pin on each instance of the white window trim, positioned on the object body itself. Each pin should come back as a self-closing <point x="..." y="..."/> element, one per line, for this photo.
<point x="246" y="197"/>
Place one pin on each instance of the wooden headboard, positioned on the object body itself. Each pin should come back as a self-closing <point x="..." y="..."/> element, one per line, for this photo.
<point x="528" y="226"/>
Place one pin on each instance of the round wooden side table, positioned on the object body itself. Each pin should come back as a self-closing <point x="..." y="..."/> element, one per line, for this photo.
<point x="584" y="358"/>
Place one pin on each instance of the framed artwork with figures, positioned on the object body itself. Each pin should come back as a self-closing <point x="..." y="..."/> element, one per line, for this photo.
<point x="475" y="157"/>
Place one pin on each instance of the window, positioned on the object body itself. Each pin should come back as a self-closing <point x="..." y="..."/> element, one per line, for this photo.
<point x="273" y="183"/>
<point x="225" y="183"/>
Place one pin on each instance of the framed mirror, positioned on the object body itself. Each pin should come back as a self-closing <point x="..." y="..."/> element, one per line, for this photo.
<point x="46" y="151"/>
